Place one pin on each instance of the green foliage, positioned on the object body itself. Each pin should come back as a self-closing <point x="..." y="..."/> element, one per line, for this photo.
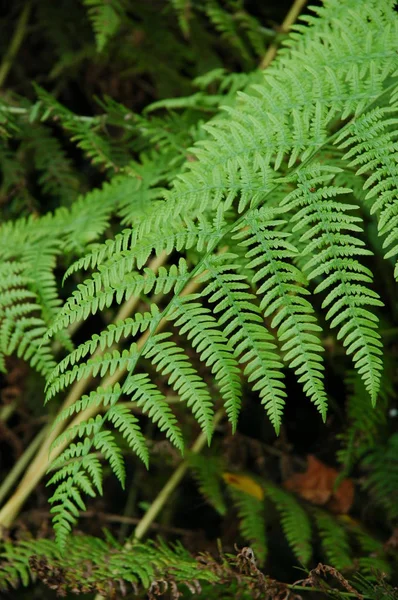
<point x="207" y="470"/>
<point x="231" y="229"/>
<point x="251" y="522"/>
<point x="382" y="480"/>
<point x="112" y="567"/>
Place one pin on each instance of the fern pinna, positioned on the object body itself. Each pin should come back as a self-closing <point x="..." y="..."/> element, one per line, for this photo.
<point x="236" y="266"/>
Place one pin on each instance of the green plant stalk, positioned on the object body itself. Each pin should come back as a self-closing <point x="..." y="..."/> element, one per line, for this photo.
<point x="39" y="465"/>
<point x="303" y="588"/>
<point x="22" y="463"/>
<point x="290" y="18"/>
<point x="171" y="485"/>
<point x="7" y="411"/>
<point x="15" y="44"/>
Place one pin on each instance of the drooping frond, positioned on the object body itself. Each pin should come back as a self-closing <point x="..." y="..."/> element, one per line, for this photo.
<point x="207" y="471"/>
<point x="197" y="322"/>
<point x="295" y="522"/>
<point x="106" y="19"/>
<point x="334" y="539"/>
<point x="372" y="143"/>
<point x="252" y="523"/>
<point x="22" y="327"/>
<point x="78" y="469"/>
<point x="243" y="324"/>
<point x="169" y="359"/>
<point x="382" y="479"/>
<point x="281" y="289"/>
<point x="373" y="559"/>
<point x="365" y="426"/>
<point x="147" y="397"/>
<point x="334" y="254"/>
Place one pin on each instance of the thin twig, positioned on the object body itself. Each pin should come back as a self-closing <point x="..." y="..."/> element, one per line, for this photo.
<point x="290" y="18"/>
<point x="22" y="463"/>
<point x="112" y="518"/>
<point x="171" y="484"/>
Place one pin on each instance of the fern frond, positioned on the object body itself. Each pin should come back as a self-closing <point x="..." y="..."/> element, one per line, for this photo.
<point x="252" y="522"/>
<point x="334" y="254"/>
<point x="382" y="480"/>
<point x="106" y="19"/>
<point x="169" y="359"/>
<point x="243" y="325"/>
<point x="374" y="559"/>
<point x="282" y="290"/>
<point x="132" y="248"/>
<point x="78" y="470"/>
<point x="149" y="399"/>
<point x="99" y="396"/>
<point x="366" y="426"/>
<point x="97" y="365"/>
<point x="90" y="564"/>
<point x="226" y="24"/>
<point x="207" y="471"/>
<point x="201" y="327"/>
<point x="295" y="522"/>
<point x="372" y="142"/>
<point x="334" y="540"/>
<point x="57" y="177"/>
<point x="21" y="325"/>
<point x="106" y="339"/>
<point x="109" y="285"/>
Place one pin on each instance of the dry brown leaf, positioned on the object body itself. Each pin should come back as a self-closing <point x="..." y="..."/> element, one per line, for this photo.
<point x="317" y="483"/>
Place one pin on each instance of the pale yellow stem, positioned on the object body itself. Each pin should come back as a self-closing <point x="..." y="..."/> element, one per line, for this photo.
<point x="288" y="21"/>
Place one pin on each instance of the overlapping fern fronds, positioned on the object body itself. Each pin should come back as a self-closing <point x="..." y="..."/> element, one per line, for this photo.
<point x="268" y="142"/>
<point x="254" y="220"/>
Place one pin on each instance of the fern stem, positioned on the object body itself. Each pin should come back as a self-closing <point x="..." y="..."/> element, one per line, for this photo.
<point x="303" y="588"/>
<point x="288" y="21"/>
<point x="22" y="463"/>
<point x="7" y="411"/>
<point x="15" y="44"/>
<point x="171" y="484"/>
<point x="38" y="467"/>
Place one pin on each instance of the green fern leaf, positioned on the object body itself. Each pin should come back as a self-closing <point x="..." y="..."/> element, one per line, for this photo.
<point x="251" y="521"/>
<point x="244" y="326"/>
<point x="334" y="255"/>
<point x="294" y="520"/>
<point x="334" y="539"/>
<point x="282" y="298"/>
<point x="207" y="471"/>
<point x="148" y="398"/>
<point x="200" y="326"/>
<point x="169" y="359"/>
